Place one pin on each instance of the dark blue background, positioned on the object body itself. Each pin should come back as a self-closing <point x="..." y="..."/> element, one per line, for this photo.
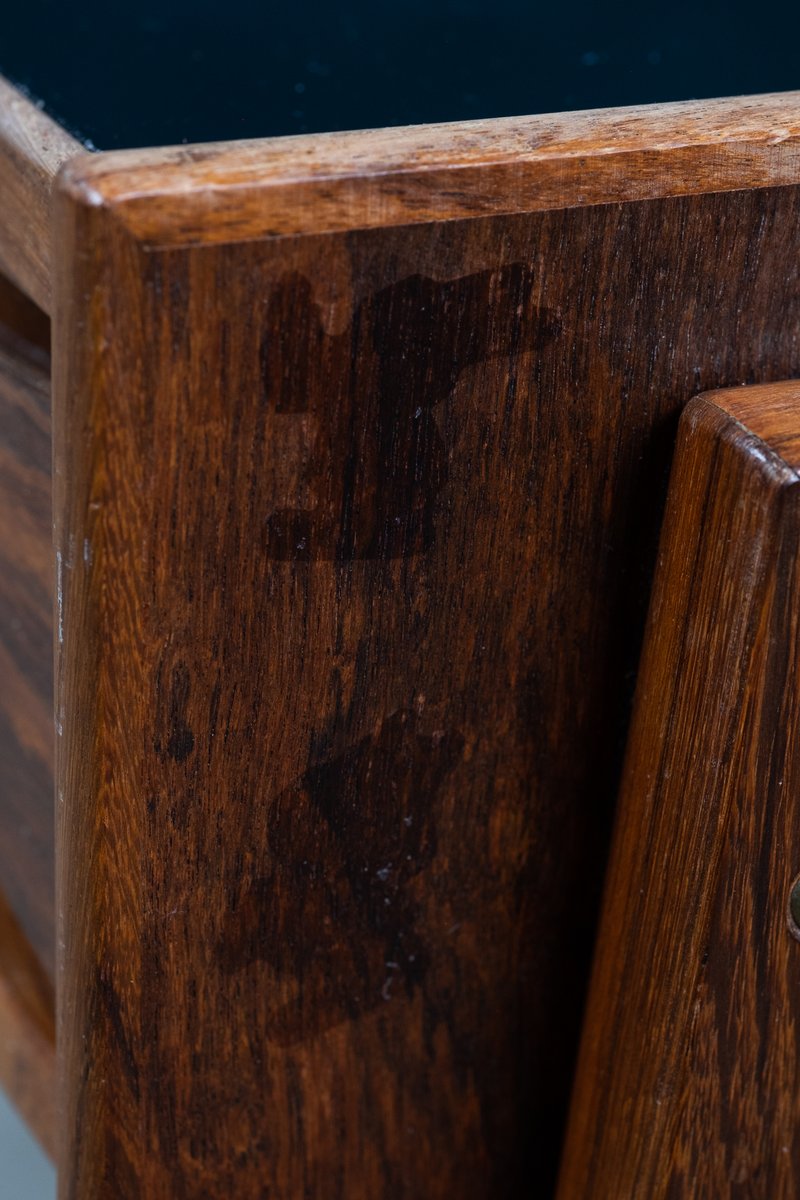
<point x="140" y="74"/>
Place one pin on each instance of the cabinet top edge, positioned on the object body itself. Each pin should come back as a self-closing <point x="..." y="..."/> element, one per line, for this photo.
<point x="287" y="186"/>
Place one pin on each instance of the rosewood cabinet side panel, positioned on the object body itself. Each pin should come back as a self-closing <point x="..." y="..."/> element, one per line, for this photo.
<point x="687" y="1082"/>
<point x="357" y="532"/>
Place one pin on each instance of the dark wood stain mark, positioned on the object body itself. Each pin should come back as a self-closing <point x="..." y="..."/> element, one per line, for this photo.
<point x="172" y="695"/>
<point x="344" y="843"/>
<point x="373" y="396"/>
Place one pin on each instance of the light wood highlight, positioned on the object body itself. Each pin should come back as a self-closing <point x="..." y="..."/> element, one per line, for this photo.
<point x="376" y="178"/>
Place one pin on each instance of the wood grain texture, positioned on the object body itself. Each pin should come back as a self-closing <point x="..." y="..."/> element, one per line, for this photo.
<point x="374" y="178"/>
<point x="27" y="1032"/>
<point x="27" y="872"/>
<point x="356" y="532"/>
<point x="689" y="1074"/>
<point x="32" y="149"/>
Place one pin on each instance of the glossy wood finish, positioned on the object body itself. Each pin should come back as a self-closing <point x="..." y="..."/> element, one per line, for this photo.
<point x="32" y="149"/>
<point x="689" y="1074"/>
<point x="357" y="529"/>
<point x="26" y="626"/>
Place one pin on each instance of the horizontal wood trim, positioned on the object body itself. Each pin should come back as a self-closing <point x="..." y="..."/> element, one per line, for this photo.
<point x="280" y="187"/>
<point x="32" y="149"/>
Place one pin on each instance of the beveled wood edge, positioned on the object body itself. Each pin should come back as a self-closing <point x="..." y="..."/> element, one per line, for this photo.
<point x="27" y="1032"/>
<point x="769" y="412"/>
<point x="32" y="149"/>
<point x="325" y="183"/>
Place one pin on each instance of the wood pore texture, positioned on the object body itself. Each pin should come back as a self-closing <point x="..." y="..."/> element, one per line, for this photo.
<point x="689" y="1077"/>
<point x="356" y="531"/>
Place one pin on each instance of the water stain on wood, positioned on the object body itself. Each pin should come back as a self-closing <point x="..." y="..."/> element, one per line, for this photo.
<point x="376" y="461"/>
<point x="331" y="907"/>
<point x="175" y="739"/>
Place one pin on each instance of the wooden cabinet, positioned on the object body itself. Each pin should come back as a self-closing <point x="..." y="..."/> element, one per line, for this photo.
<point x="361" y="447"/>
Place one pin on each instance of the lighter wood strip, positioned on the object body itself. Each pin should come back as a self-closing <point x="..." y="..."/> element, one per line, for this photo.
<point x="319" y="183"/>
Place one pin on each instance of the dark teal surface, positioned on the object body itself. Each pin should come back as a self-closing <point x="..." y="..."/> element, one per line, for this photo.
<point x="122" y="74"/>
